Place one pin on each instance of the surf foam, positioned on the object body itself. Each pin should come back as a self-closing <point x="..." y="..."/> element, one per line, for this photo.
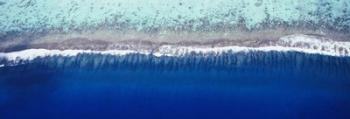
<point x="292" y="43"/>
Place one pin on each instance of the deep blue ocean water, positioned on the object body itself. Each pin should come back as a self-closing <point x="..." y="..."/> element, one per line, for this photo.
<point x="231" y="85"/>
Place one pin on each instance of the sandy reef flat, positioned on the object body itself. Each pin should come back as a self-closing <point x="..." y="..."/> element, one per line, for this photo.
<point x="150" y="25"/>
<point x="133" y="40"/>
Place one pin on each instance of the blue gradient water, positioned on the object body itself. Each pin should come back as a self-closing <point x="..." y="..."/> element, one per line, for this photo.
<point x="232" y="85"/>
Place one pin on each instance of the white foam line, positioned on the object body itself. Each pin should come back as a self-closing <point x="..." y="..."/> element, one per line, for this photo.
<point x="176" y="51"/>
<point x="296" y="43"/>
<point x="339" y="48"/>
<point x="31" y="54"/>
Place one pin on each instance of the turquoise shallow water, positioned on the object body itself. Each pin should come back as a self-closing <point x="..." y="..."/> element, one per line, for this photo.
<point x="18" y="15"/>
<point x="254" y="85"/>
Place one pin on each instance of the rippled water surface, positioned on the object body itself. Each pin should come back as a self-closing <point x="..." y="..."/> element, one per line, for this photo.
<point x="231" y="85"/>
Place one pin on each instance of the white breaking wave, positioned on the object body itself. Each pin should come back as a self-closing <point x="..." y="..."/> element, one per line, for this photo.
<point x="295" y="43"/>
<point x="319" y="44"/>
<point x="31" y="54"/>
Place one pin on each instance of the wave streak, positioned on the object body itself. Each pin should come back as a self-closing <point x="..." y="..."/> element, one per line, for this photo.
<point x="293" y="43"/>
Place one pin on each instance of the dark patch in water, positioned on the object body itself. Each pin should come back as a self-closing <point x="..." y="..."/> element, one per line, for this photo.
<point x="2" y="3"/>
<point x="258" y="3"/>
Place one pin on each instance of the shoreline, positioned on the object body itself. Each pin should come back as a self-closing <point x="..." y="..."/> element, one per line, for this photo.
<point x="292" y="43"/>
<point x="121" y="40"/>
